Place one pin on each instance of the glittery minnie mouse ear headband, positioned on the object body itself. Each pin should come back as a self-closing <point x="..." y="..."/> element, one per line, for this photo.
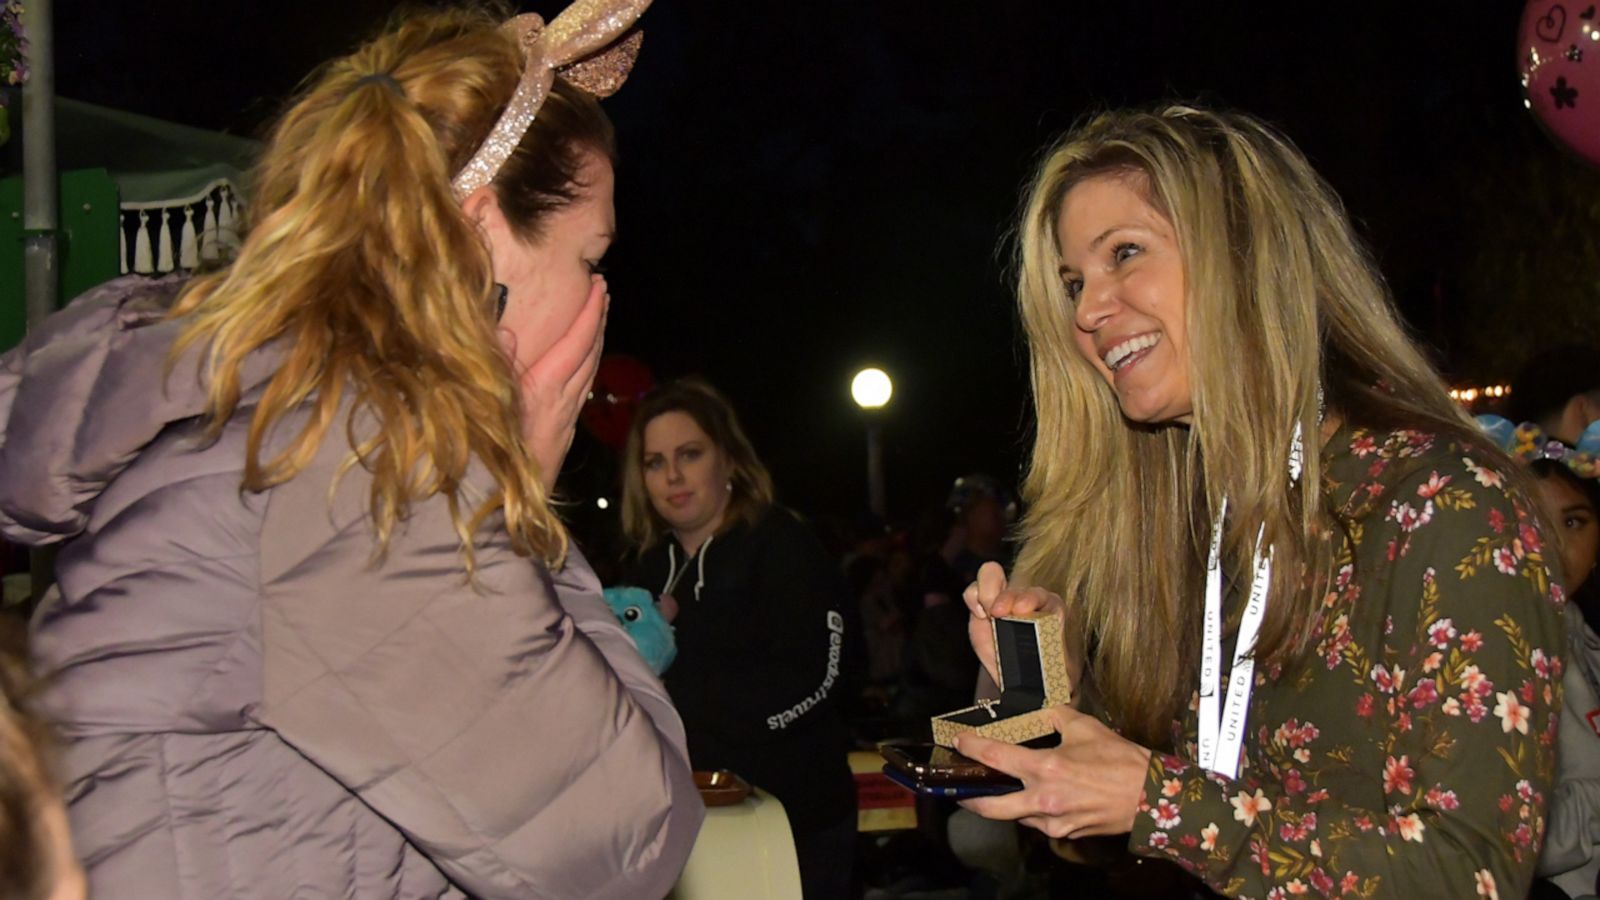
<point x="1527" y="442"/>
<point x="588" y="44"/>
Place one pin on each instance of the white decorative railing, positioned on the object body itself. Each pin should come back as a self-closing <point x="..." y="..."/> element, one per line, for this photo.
<point x="206" y="227"/>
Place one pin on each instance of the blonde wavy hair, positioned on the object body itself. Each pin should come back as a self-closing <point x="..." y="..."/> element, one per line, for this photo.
<point x="360" y="264"/>
<point x="697" y="399"/>
<point x="1281" y="298"/>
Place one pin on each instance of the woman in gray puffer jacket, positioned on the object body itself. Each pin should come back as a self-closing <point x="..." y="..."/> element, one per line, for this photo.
<point x="318" y="631"/>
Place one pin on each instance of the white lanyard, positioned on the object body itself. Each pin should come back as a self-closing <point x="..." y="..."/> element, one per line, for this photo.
<point x="1221" y="730"/>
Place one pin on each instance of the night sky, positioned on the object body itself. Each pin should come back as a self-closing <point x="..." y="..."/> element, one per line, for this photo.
<point x="809" y="187"/>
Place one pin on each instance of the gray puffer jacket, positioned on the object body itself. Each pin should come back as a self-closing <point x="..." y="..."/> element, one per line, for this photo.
<point x="252" y="706"/>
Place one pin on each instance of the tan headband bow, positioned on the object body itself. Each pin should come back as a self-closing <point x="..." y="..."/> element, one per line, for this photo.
<point x="582" y="45"/>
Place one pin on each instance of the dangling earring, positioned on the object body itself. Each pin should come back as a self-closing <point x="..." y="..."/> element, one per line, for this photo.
<point x="500" y="293"/>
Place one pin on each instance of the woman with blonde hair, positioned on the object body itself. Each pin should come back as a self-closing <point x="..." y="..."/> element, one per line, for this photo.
<point x="319" y="630"/>
<point x="756" y="605"/>
<point x="1319" y="641"/>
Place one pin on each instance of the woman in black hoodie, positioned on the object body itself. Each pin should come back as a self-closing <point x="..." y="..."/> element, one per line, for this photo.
<point x="756" y="604"/>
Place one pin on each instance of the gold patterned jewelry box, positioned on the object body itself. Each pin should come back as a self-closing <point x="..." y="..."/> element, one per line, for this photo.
<point x="1032" y="659"/>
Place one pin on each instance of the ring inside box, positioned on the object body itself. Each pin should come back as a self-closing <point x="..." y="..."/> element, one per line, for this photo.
<point x="1031" y="658"/>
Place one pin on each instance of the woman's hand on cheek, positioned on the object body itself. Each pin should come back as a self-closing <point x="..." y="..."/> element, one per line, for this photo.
<point x="1090" y="785"/>
<point x="554" y="388"/>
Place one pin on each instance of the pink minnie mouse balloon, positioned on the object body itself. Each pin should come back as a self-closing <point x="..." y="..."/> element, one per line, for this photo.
<point x="1558" y="54"/>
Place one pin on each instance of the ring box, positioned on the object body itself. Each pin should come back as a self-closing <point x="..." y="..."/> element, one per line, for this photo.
<point x="1031" y="656"/>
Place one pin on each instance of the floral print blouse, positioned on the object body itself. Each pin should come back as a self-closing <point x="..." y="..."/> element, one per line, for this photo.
<point x="1412" y="756"/>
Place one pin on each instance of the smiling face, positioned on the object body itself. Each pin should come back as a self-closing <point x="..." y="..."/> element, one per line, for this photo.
<point x="1124" y="275"/>
<point x="686" y="476"/>
<point x="548" y="280"/>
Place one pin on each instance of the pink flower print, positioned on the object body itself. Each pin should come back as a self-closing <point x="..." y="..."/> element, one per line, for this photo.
<point x="1433" y="662"/>
<point x="1348" y="883"/>
<point x="1189" y="841"/>
<point x="1277" y="893"/>
<point x="1485" y="880"/>
<point x="1439" y="798"/>
<point x="1505" y="803"/>
<point x="1363" y="445"/>
<point x="1397" y="775"/>
<point x="1525" y="789"/>
<point x="1423" y="694"/>
<point x="1451" y="707"/>
<point x="1472" y="680"/>
<point x="1476" y="708"/>
<point x="1513" y="715"/>
<point x="1471" y="642"/>
<point x="1258" y="854"/>
<point x="1505" y="559"/>
<point x="1440" y="632"/>
<point x="1294" y="734"/>
<point x="1497" y="521"/>
<point x="1317" y="796"/>
<point x="1364" y="705"/>
<point x="1410" y="827"/>
<point x="1529" y="535"/>
<point x="1166" y="814"/>
<point x="1296" y="888"/>
<point x="1416" y="442"/>
<point x="1293" y="783"/>
<point x="1541" y="663"/>
<point x="1526" y="691"/>
<point x="1158" y="839"/>
<point x="1208" y="837"/>
<point x="1411" y="519"/>
<point x="1436" y="483"/>
<point x="1404" y="722"/>
<point x="1364" y="822"/>
<point x="1523" y="836"/>
<point x="1485" y="476"/>
<point x="1386" y="681"/>
<point x="1246" y="807"/>
<point x="1341" y="579"/>
<point x="1322" y="882"/>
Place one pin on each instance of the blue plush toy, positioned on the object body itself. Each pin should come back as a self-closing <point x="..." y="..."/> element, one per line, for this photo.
<point x="636" y="610"/>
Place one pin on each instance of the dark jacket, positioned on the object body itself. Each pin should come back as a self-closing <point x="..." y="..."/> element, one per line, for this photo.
<point x="760" y="647"/>
<point x="252" y="706"/>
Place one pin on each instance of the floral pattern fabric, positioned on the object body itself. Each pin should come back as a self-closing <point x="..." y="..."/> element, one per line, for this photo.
<point x="1413" y="754"/>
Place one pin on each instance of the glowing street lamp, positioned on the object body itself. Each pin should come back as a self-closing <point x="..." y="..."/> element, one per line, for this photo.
<point x="871" y="389"/>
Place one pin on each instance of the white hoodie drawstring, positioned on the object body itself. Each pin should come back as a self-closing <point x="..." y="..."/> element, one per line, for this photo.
<point x="701" y="556"/>
<point x="672" y="569"/>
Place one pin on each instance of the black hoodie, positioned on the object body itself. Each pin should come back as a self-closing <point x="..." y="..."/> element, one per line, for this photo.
<point x="760" y="649"/>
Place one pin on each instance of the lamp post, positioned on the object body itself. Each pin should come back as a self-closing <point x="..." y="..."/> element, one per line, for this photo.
<point x="871" y="389"/>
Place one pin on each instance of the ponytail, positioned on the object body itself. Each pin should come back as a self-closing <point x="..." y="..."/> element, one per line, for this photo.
<point x="359" y="263"/>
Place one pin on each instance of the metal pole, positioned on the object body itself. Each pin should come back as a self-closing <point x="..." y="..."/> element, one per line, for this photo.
<point x="40" y="213"/>
<point x="875" y="489"/>
<point x="40" y="208"/>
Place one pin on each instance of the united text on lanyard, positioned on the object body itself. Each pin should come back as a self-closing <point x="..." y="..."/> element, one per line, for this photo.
<point x="1222" y="724"/>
